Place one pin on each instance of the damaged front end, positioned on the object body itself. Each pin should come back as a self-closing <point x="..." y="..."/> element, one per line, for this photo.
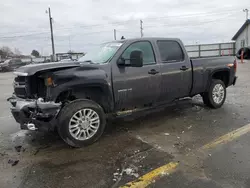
<point x="33" y="104"/>
<point x="34" y="114"/>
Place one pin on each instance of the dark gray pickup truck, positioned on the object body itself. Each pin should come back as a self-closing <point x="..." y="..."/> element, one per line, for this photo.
<point x="117" y="78"/>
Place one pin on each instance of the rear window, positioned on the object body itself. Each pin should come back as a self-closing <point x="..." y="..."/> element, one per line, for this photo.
<point x="170" y="51"/>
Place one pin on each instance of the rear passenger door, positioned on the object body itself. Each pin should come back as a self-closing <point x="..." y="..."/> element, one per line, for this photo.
<point x="176" y="71"/>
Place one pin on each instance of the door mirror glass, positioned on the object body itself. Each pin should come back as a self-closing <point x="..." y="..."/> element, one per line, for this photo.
<point x="136" y="58"/>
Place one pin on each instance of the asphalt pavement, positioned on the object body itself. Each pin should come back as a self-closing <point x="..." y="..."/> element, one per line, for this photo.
<point x="138" y="146"/>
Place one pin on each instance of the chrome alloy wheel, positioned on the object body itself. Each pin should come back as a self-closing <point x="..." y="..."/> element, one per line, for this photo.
<point x="84" y="124"/>
<point x="218" y="93"/>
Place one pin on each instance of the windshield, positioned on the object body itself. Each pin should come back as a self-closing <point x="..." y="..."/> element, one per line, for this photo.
<point x="102" y="53"/>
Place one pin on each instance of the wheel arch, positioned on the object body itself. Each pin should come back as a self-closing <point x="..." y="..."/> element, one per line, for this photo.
<point x="222" y="74"/>
<point x="99" y="93"/>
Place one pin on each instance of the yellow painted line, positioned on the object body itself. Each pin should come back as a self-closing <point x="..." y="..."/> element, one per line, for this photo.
<point x="227" y="137"/>
<point x="149" y="178"/>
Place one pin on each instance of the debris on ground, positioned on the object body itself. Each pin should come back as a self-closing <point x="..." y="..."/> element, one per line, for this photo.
<point x="40" y="148"/>
<point x="141" y="139"/>
<point x="189" y="127"/>
<point x="183" y="132"/>
<point x="67" y="177"/>
<point x="196" y="108"/>
<point x="3" y="154"/>
<point x="178" y="137"/>
<point x="131" y="172"/>
<point x="209" y="155"/>
<point x="18" y="148"/>
<point x="166" y="134"/>
<point x="13" y="162"/>
<point x="164" y="174"/>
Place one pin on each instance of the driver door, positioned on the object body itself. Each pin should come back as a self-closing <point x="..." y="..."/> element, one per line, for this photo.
<point x="136" y="87"/>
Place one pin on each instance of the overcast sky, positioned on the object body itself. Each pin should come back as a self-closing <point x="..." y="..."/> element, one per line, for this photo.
<point x="81" y="24"/>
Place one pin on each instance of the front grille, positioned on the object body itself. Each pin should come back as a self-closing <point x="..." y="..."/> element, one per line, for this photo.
<point x="20" y="86"/>
<point x="20" y="79"/>
<point x="29" y="87"/>
<point x="20" y="92"/>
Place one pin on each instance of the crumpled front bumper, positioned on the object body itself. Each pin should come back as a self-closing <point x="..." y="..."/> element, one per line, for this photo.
<point x="38" y="113"/>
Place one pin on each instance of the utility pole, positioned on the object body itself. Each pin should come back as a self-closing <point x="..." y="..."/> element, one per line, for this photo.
<point x="52" y="36"/>
<point x="246" y="11"/>
<point x="69" y="44"/>
<point x="141" y="22"/>
<point x="115" y="34"/>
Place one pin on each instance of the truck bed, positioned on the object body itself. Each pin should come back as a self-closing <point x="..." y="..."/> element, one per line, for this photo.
<point x="203" y="67"/>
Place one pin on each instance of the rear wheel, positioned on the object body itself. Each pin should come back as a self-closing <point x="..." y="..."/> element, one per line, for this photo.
<point x="81" y="123"/>
<point x="216" y="95"/>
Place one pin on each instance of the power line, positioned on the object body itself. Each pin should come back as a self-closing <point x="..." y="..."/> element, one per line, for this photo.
<point x="189" y="24"/>
<point x="123" y="22"/>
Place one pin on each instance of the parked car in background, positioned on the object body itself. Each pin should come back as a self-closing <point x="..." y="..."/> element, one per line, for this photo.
<point x="11" y="64"/>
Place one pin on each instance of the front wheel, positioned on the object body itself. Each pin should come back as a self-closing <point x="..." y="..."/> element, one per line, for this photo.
<point x="81" y="123"/>
<point x="216" y="95"/>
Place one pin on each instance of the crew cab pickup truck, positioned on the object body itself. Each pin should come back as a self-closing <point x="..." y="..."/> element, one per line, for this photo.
<point x="117" y="78"/>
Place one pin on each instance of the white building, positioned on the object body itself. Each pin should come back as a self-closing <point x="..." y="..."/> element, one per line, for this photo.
<point x="242" y="37"/>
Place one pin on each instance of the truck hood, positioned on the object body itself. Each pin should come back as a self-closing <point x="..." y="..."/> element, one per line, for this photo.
<point x="29" y="70"/>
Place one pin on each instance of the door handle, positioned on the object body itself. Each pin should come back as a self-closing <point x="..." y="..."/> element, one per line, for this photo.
<point x="153" y="71"/>
<point x="183" y="68"/>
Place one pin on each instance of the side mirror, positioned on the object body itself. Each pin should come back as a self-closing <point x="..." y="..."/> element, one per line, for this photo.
<point x="121" y="62"/>
<point x="136" y="58"/>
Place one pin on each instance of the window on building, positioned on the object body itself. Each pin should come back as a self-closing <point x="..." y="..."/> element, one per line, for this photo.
<point x="170" y="51"/>
<point x="145" y="47"/>
<point x="242" y="43"/>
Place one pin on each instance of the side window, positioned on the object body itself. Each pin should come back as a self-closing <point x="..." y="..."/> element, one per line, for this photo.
<point x="145" y="47"/>
<point x="170" y="51"/>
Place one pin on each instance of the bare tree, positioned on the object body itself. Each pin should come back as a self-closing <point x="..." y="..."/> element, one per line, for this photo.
<point x="5" y="52"/>
<point x="17" y="51"/>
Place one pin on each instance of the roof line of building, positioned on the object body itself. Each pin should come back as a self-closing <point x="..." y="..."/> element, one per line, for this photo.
<point x="241" y="29"/>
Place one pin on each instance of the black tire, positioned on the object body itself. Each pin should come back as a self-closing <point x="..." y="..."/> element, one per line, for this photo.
<point x="208" y="96"/>
<point x="68" y="111"/>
